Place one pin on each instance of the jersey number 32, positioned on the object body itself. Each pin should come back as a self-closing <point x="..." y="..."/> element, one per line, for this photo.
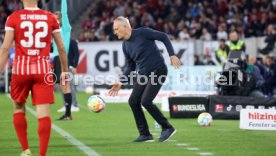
<point x="34" y="39"/>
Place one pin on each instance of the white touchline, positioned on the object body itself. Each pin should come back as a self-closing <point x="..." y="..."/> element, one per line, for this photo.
<point x="205" y="153"/>
<point x="187" y="147"/>
<point x="181" y="144"/>
<point x="192" y="148"/>
<point x="87" y="150"/>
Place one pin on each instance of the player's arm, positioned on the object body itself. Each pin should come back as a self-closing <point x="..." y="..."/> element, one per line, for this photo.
<point x="65" y="19"/>
<point x="66" y="27"/>
<point x="64" y="78"/>
<point x="163" y="37"/>
<point x="5" y="48"/>
<point x="61" y="52"/>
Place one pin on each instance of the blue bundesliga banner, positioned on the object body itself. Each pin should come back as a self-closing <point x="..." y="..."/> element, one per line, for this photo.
<point x="192" y="78"/>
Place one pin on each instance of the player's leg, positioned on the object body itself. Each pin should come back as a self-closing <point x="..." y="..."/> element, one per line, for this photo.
<point x="20" y="87"/>
<point x="20" y="125"/>
<point x="44" y="127"/>
<point x="42" y="97"/>
<point x="148" y="96"/>
<point x="140" y="119"/>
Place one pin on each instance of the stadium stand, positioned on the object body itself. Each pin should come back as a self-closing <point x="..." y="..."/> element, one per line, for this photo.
<point x="182" y="19"/>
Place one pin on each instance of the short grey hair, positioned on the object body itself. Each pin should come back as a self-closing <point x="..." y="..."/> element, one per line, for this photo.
<point x="123" y="20"/>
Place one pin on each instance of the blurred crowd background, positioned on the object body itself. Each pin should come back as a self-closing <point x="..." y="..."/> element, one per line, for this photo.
<point x="180" y="19"/>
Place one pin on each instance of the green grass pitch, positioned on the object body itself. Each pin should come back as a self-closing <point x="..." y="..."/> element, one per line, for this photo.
<point x="110" y="133"/>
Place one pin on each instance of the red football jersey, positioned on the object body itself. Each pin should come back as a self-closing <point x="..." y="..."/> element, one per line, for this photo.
<point x="33" y="30"/>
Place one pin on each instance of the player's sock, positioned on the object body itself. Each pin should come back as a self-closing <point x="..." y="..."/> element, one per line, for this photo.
<point x="20" y="125"/>
<point x="44" y="131"/>
<point x="68" y="103"/>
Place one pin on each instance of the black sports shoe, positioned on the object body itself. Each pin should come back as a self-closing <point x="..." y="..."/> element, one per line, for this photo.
<point x="65" y="118"/>
<point x="166" y="134"/>
<point x="144" y="138"/>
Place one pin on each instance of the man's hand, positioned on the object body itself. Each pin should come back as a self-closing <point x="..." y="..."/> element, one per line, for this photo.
<point x="115" y="89"/>
<point x="74" y="70"/>
<point x="175" y="61"/>
<point x="65" y="82"/>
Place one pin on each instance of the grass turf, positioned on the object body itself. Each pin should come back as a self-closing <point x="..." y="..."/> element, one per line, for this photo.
<point x="110" y="133"/>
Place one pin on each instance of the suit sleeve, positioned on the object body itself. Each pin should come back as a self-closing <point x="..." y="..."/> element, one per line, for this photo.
<point x="75" y="50"/>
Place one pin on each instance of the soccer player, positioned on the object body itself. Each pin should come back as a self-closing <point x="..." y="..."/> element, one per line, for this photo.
<point x="32" y="30"/>
<point x="143" y="56"/>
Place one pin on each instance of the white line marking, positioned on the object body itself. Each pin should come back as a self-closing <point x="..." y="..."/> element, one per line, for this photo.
<point x="181" y="144"/>
<point x="205" y="153"/>
<point x="192" y="148"/>
<point x="87" y="150"/>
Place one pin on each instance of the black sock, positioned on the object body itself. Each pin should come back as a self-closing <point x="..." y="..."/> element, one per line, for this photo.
<point x="68" y="103"/>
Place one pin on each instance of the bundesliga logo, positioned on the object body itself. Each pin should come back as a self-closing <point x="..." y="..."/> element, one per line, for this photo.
<point x="219" y="108"/>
